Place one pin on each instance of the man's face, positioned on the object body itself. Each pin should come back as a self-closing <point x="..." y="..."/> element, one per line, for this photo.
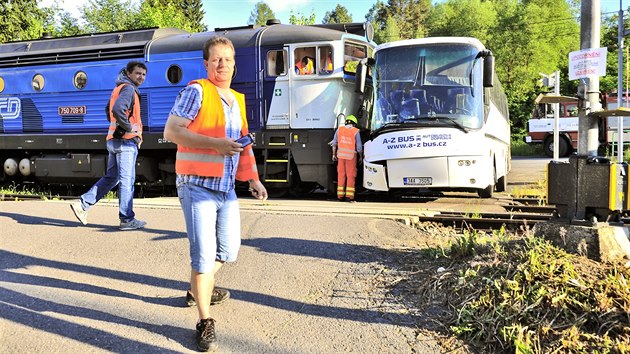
<point x="137" y="76"/>
<point x="220" y="64"/>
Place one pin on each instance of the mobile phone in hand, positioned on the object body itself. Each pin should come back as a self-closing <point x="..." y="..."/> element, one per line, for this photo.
<point x="245" y="140"/>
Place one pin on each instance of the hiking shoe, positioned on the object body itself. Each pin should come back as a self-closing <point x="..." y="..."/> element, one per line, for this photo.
<point x="81" y="214"/>
<point x="206" y="336"/>
<point x="219" y="295"/>
<point x="132" y="225"/>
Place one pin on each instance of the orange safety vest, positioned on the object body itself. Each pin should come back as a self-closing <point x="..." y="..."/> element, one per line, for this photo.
<point x="210" y="121"/>
<point x="134" y="117"/>
<point x="346" y="142"/>
<point x="307" y="69"/>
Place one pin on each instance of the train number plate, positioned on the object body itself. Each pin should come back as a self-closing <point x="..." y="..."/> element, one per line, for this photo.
<point x="71" y="110"/>
<point x="417" y="181"/>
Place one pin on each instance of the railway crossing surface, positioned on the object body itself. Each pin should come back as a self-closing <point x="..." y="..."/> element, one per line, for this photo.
<point x="304" y="281"/>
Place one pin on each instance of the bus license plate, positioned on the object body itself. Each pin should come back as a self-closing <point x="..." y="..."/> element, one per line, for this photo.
<point x="417" y="181"/>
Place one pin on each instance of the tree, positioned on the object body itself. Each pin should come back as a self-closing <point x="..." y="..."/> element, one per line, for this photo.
<point x="410" y="16"/>
<point x="379" y="26"/>
<point x="463" y="18"/>
<point x="158" y="15"/>
<point x="389" y="33"/>
<point x="338" y="15"/>
<point x="190" y="10"/>
<point x="110" y="15"/>
<point x="299" y="19"/>
<point x="60" y="23"/>
<point x="20" y="20"/>
<point x="260" y="14"/>
<point x="526" y="42"/>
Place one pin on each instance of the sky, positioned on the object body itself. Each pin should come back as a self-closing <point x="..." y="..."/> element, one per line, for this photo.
<point x="231" y="13"/>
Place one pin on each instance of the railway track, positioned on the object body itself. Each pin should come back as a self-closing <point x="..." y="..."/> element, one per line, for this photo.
<point x="491" y="221"/>
<point x="519" y="214"/>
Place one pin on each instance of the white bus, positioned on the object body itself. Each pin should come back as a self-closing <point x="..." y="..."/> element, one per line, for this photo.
<point x="440" y="118"/>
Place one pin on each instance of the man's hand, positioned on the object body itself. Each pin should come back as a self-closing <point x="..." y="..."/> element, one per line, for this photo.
<point x="257" y="189"/>
<point x="227" y="146"/>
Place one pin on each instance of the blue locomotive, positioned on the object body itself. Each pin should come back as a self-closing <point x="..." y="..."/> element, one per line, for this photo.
<point x="53" y="94"/>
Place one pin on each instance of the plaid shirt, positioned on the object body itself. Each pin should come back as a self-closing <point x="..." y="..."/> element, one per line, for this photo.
<point x="187" y="105"/>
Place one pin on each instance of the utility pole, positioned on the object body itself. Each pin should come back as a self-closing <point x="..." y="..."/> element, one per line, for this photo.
<point x="588" y="139"/>
<point x="620" y="90"/>
<point x="556" y="118"/>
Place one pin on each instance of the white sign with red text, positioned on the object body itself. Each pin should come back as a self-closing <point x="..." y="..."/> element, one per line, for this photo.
<point x="587" y="62"/>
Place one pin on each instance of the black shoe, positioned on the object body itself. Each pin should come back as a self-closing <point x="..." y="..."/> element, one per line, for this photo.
<point x="219" y="295"/>
<point x="206" y="336"/>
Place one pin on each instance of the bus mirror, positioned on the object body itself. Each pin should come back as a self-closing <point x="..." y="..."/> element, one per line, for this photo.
<point x="369" y="31"/>
<point x="359" y="84"/>
<point x="488" y="71"/>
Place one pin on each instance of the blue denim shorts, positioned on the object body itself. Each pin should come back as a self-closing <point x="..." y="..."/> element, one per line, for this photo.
<point x="213" y="225"/>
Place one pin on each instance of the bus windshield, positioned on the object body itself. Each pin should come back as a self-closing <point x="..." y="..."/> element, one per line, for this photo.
<point x="422" y="85"/>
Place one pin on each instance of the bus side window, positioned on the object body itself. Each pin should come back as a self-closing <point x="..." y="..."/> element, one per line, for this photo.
<point x="276" y="63"/>
<point x="325" y="60"/>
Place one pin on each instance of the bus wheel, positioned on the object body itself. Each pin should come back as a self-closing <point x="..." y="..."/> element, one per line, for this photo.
<point x="563" y="147"/>
<point x="487" y="192"/>
<point x="501" y="184"/>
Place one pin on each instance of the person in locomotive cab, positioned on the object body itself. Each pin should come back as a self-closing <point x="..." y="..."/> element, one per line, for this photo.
<point x="123" y="141"/>
<point x="206" y="120"/>
<point x="346" y="150"/>
<point x="306" y="66"/>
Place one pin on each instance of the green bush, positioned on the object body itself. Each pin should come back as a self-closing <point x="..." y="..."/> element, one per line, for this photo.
<point x="520" y="148"/>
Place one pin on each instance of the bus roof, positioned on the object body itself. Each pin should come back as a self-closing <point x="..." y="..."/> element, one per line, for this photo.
<point x="432" y="40"/>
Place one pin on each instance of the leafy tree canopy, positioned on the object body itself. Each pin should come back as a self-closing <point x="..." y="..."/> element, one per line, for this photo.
<point x="21" y="20"/>
<point x="299" y="19"/>
<point x="260" y="14"/>
<point x="338" y="15"/>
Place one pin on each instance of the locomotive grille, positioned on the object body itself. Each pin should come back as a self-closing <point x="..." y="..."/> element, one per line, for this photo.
<point x="26" y="59"/>
<point x="144" y="111"/>
<point x="32" y="121"/>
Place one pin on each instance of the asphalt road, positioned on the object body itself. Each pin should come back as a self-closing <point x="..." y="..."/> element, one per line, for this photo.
<point x="304" y="282"/>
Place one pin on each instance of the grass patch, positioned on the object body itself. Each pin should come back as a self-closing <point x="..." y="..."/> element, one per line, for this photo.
<point x="520" y="148"/>
<point x="23" y="190"/>
<point x="537" y="191"/>
<point x="504" y="293"/>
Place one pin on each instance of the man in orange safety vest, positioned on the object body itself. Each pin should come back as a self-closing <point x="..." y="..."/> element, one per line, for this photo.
<point x="346" y="150"/>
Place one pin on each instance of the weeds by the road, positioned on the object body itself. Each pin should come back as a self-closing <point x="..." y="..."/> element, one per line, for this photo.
<point x="12" y="190"/>
<point x="537" y="191"/>
<point x="514" y="293"/>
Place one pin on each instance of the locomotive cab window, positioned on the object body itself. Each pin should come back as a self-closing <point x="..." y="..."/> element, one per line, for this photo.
<point x="304" y="61"/>
<point x="325" y="60"/>
<point x="174" y="74"/>
<point x="352" y="54"/>
<point x="80" y="80"/>
<point x="38" y="82"/>
<point x="276" y="63"/>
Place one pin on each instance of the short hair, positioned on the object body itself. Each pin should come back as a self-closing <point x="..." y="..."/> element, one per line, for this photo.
<point x="133" y="64"/>
<point x="214" y="41"/>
